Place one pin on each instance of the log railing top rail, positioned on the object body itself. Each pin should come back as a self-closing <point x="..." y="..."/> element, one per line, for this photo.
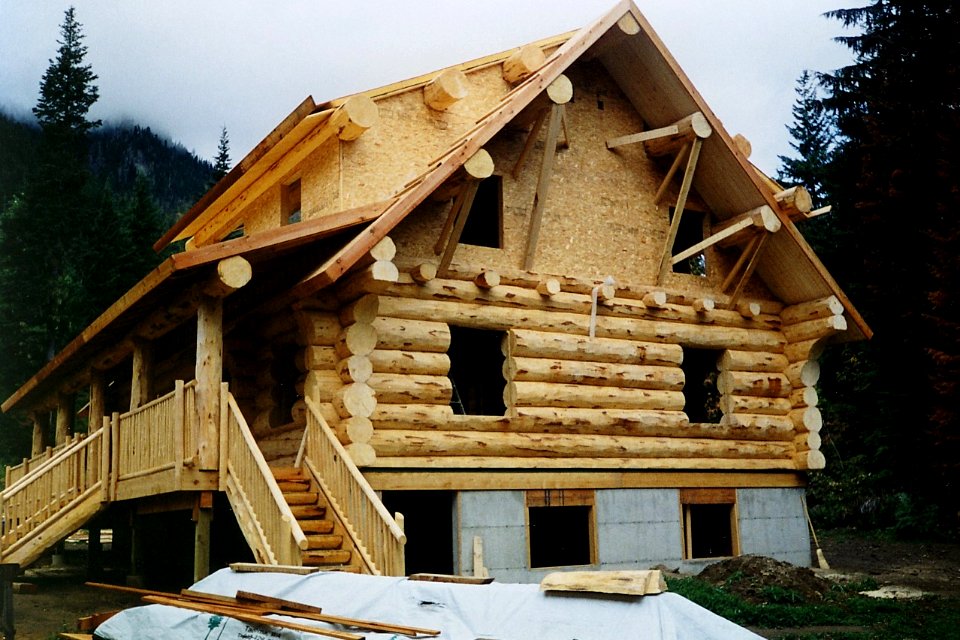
<point x="286" y="513"/>
<point x="63" y="454"/>
<point x="368" y="491"/>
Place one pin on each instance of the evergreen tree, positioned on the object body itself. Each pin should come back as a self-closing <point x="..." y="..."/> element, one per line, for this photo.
<point x="894" y="184"/>
<point x="812" y="134"/>
<point x="221" y="164"/>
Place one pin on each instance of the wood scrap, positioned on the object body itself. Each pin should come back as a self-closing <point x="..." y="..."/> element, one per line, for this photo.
<point x="631" y="583"/>
<point x="442" y="577"/>
<point x="254" y="567"/>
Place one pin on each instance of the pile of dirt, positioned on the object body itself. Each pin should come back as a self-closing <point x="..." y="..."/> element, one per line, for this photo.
<point x="761" y="579"/>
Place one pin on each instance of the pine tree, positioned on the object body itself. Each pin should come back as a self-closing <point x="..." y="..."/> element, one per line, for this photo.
<point x="221" y="164"/>
<point x="894" y="184"/>
<point x="813" y="136"/>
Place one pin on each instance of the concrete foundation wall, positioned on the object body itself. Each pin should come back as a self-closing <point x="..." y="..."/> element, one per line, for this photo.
<point x="634" y="529"/>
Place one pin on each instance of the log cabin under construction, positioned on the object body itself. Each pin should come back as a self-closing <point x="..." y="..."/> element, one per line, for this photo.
<point x="541" y="304"/>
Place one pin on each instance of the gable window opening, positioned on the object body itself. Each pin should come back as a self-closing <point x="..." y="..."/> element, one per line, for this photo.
<point x="476" y="371"/>
<point x="560" y="528"/>
<point x="484" y="225"/>
<point x="700" y="393"/>
<point x="709" y="523"/>
<point x="290" y="203"/>
<point x="691" y="231"/>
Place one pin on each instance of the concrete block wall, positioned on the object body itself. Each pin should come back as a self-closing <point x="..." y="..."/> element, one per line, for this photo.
<point x="635" y="529"/>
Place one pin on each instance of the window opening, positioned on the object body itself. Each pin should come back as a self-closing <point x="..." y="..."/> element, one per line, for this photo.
<point x="484" y="225"/>
<point x="690" y="232"/>
<point x="476" y="371"/>
<point x="290" y="203"/>
<point x="560" y="528"/>
<point x="709" y="523"/>
<point x="700" y="393"/>
<point x="429" y="527"/>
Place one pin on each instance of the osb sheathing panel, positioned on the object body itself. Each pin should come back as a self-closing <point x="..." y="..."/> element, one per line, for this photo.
<point x="599" y="219"/>
<point x="320" y="181"/>
<point x="264" y="212"/>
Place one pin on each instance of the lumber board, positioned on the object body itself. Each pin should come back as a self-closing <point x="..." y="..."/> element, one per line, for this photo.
<point x="629" y="583"/>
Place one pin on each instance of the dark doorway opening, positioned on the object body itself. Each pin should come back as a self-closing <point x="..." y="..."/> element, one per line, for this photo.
<point x="428" y="524"/>
<point x="709" y="530"/>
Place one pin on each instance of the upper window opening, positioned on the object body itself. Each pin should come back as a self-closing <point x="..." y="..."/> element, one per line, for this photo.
<point x="484" y="225"/>
<point x="700" y="393"/>
<point x="689" y="233"/>
<point x="476" y="371"/>
<point x="290" y="203"/>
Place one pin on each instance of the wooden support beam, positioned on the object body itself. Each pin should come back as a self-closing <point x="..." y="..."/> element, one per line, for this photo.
<point x="677" y="161"/>
<point x="747" y="272"/>
<point x="742" y="260"/>
<point x="762" y="218"/>
<point x="795" y="201"/>
<point x="456" y="220"/>
<point x="693" y="127"/>
<point x="65" y="415"/>
<point x="543" y="185"/>
<point x="141" y="374"/>
<point x="38" y="441"/>
<point x="665" y="263"/>
<point x="97" y="404"/>
<point x="446" y="90"/>
<point x="522" y="63"/>
<point x="530" y="141"/>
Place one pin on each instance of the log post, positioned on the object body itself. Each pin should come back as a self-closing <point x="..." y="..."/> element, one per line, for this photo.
<point x="97" y="407"/>
<point x="39" y="437"/>
<point x="65" y="414"/>
<point x="209" y="375"/>
<point x="140" y="382"/>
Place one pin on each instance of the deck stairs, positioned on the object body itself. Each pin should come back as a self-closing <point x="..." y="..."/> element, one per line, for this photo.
<point x="327" y="546"/>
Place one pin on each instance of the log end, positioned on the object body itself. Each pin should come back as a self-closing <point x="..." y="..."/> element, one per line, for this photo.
<point x="560" y="90"/>
<point x="362" y="113"/>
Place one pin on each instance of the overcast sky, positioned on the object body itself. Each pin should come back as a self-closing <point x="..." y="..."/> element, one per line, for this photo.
<point x="188" y="67"/>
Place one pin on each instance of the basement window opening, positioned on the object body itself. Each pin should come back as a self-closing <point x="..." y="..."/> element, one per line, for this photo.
<point x="691" y="231"/>
<point x="709" y="523"/>
<point x="560" y="529"/>
<point x="484" y="225"/>
<point x="476" y="371"/>
<point x="700" y="393"/>
<point x="290" y="203"/>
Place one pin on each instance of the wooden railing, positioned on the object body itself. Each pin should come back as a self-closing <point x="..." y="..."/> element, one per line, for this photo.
<point x="375" y="534"/>
<point x="17" y="471"/>
<point x="265" y="518"/>
<point x="76" y="474"/>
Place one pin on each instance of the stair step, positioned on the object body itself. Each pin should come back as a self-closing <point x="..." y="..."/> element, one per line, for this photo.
<point x="324" y="542"/>
<point x="307" y="511"/>
<point x="288" y="473"/>
<point x="322" y="527"/>
<point x="301" y="497"/>
<point x="293" y="485"/>
<point x="324" y="557"/>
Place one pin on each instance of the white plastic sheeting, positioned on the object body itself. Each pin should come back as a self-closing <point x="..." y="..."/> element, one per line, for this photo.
<point x="462" y="612"/>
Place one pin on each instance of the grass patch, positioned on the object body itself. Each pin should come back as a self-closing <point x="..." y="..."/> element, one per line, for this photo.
<point x="929" y="617"/>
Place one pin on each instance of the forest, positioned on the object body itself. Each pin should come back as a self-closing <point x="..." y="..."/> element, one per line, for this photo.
<point x="82" y="202"/>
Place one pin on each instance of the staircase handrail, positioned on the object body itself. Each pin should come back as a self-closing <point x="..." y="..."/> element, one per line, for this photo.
<point x="26" y="465"/>
<point x="61" y="455"/>
<point x="284" y="514"/>
<point x="380" y="539"/>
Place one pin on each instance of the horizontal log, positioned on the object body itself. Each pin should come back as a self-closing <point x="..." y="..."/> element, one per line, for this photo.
<point x="812" y="460"/>
<point x="804" y="373"/>
<point x="231" y="274"/>
<point x="585" y="463"/>
<point x="810" y="349"/>
<point x="732" y="404"/>
<point x="356" y="340"/>
<point x="472" y="443"/>
<point x="693" y="126"/>
<point x="779" y="427"/>
<point x="593" y="373"/>
<point x="355" y="369"/>
<point x="408" y="416"/>
<point x="423" y="272"/>
<point x="761" y="219"/>
<point x="317" y="357"/>
<point x="553" y="298"/>
<point x="807" y="441"/>
<point x="322" y="385"/>
<point x="487" y="279"/>
<point x="796" y="201"/>
<point x="546" y="394"/>
<point x="734" y="360"/>
<point x="411" y="334"/>
<point x="373" y="278"/>
<point x="363" y="309"/>
<point x="523" y="342"/>
<point x="416" y="362"/>
<point x="362" y="454"/>
<point x="503" y="318"/>
<point x="522" y="63"/>
<point x="752" y="383"/>
<point x="354" y="429"/>
<point x="819" y="328"/>
<point x="807" y="419"/>
<point x="804" y="397"/>
<point x="398" y="388"/>
<point x="812" y="310"/>
<point x="318" y="327"/>
<point x="357" y="399"/>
